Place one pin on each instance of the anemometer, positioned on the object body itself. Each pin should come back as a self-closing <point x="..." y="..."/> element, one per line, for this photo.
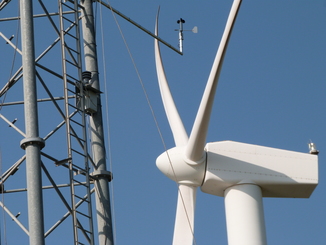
<point x="181" y="22"/>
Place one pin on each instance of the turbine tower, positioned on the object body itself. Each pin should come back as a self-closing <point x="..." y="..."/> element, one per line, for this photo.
<point x="239" y="172"/>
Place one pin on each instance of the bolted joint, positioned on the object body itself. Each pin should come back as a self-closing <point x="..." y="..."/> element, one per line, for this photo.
<point x="31" y="141"/>
<point x="102" y="174"/>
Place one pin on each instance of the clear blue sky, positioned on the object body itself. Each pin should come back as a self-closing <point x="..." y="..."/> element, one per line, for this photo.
<point x="271" y="92"/>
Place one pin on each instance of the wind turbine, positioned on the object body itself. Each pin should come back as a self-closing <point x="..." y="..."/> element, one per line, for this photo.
<point x="242" y="173"/>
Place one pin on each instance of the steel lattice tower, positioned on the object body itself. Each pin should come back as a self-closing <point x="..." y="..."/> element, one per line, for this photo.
<point x="61" y="164"/>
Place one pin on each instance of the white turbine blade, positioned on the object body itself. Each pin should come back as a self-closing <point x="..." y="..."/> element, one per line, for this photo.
<point x="179" y="133"/>
<point x="184" y="220"/>
<point x="195" y="148"/>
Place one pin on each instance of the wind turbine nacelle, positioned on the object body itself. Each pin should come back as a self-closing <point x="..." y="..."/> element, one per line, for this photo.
<point x="279" y="173"/>
<point x="173" y="164"/>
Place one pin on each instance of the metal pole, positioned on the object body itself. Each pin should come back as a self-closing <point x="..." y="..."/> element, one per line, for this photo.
<point x="245" y="215"/>
<point x="102" y="176"/>
<point x="181" y="22"/>
<point x="32" y="143"/>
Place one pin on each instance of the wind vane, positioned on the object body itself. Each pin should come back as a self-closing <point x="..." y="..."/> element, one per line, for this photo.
<point x="181" y="22"/>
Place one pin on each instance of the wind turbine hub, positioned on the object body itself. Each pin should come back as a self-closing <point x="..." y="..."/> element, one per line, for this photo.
<point x="173" y="164"/>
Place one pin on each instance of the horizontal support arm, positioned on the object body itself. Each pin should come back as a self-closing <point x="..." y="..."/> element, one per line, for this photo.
<point x="139" y="26"/>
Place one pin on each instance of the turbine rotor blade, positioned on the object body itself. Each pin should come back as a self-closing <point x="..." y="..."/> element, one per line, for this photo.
<point x="184" y="220"/>
<point x="179" y="133"/>
<point x="195" y="148"/>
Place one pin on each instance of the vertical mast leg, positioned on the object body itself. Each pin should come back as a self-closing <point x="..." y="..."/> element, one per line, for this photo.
<point x="245" y="215"/>
<point x="32" y="143"/>
<point x="103" y="208"/>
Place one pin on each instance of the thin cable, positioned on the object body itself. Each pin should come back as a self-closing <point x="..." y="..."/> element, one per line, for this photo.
<point x="139" y="78"/>
<point x="153" y="115"/>
<point x="109" y="155"/>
